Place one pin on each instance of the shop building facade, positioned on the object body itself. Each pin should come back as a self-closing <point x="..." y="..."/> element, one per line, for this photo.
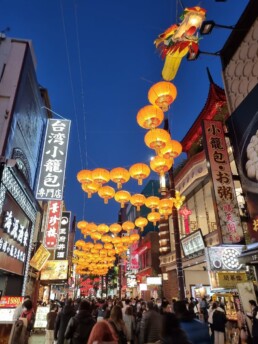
<point x="22" y="124"/>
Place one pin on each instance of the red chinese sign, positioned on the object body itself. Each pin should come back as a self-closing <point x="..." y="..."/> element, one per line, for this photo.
<point x="219" y="168"/>
<point x="53" y="224"/>
<point x="10" y="301"/>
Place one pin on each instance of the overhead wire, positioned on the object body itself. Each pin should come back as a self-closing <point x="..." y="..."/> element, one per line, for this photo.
<point x="71" y="82"/>
<point x="82" y="94"/>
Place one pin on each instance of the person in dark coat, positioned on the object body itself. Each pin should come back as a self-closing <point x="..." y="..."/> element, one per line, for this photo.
<point x="254" y="316"/>
<point x="80" y="326"/>
<point x="219" y="320"/>
<point x="51" y="318"/>
<point x="62" y="320"/>
<point x="151" y="325"/>
<point x="196" y="330"/>
<point x="171" y="332"/>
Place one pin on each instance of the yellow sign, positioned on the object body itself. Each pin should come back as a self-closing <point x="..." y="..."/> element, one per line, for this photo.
<point x="229" y="280"/>
<point x="54" y="270"/>
<point x="40" y="257"/>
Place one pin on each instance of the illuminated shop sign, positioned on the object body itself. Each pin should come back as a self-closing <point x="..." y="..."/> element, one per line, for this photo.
<point x="224" y="189"/>
<point x="15" y="233"/>
<point x="154" y="281"/>
<point x="221" y="258"/>
<point x="54" y="270"/>
<point x="53" y="224"/>
<point x="61" y="249"/>
<point x="52" y="170"/>
<point x="193" y="245"/>
<point x="40" y="258"/>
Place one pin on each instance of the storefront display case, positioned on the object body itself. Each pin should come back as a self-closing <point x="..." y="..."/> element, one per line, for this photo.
<point x="231" y="303"/>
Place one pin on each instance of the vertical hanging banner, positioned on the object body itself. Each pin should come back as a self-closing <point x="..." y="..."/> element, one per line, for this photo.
<point x="61" y="248"/>
<point x="220" y="172"/>
<point x="52" y="170"/>
<point x="53" y="224"/>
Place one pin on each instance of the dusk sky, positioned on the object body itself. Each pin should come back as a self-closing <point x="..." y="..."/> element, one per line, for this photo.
<point x="97" y="60"/>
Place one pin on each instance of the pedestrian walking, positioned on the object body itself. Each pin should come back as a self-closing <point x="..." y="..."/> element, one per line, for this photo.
<point x="102" y="332"/>
<point x="19" y="309"/>
<point x="129" y="320"/>
<point x="79" y="327"/>
<point x="219" y="320"/>
<point x="196" y="330"/>
<point x="210" y="319"/>
<point x="253" y="315"/>
<point x="151" y="325"/>
<point x="171" y="331"/>
<point x="28" y="317"/>
<point x="116" y="320"/>
<point x="51" y="318"/>
<point x="62" y="321"/>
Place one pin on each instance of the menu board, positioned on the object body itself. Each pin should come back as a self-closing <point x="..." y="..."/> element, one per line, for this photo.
<point x="6" y="314"/>
<point x="41" y="317"/>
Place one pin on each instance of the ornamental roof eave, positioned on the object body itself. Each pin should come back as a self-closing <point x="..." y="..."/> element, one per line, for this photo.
<point x="215" y="100"/>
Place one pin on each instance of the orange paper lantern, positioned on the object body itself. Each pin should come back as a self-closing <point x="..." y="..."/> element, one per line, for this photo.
<point x="153" y="217"/>
<point x="172" y="149"/>
<point x="119" y="175"/>
<point x="84" y="176"/>
<point x="141" y="222"/>
<point x="106" y="192"/>
<point x="152" y="202"/>
<point x="102" y="228"/>
<point x="122" y="197"/>
<point x="161" y="165"/>
<point x="139" y="172"/>
<point x="138" y="200"/>
<point x="157" y="139"/>
<point x="100" y="176"/>
<point x="162" y="94"/>
<point x="128" y="226"/>
<point x="115" y="228"/>
<point x="90" y="188"/>
<point x="150" y="117"/>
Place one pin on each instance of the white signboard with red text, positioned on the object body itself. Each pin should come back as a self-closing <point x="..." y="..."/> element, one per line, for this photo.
<point x="53" y="224"/>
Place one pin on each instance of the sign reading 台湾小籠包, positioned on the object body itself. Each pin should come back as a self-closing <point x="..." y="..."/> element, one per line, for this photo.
<point x="53" y="224"/>
<point x="223" y="184"/>
<point x="53" y="164"/>
<point x="61" y="248"/>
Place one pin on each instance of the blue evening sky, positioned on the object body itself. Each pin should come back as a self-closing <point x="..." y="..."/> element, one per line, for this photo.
<point x="97" y="60"/>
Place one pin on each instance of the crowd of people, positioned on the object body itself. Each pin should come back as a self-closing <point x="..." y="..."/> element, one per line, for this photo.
<point x="132" y="321"/>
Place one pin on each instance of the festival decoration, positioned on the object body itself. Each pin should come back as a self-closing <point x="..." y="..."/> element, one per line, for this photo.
<point x="128" y="226"/>
<point x="141" y="222"/>
<point x="139" y="172"/>
<point x="150" y="117"/>
<point x="122" y="197"/>
<point x="115" y="228"/>
<point x="172" y="149"/>
<point x="157" y="139"/>
<point x="152" y="202"/>
<point x="178" y="40"/>
<point x="165" y="207"/>
<point x="106" y="192"/>
<point x="90" y="188"/>
<point x="153" y="217"/>
<point x="119" y="175"/>
<point x="100" y="176"/>
<point x="161" y="165"/>
<point x="138" y="200"/>
<point x="84" y="176"/>
<point x="162" y="94"/>
<point x="103" y="228"/>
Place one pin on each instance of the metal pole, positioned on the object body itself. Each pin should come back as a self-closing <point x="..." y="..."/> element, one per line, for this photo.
<point x="179" y="266"/>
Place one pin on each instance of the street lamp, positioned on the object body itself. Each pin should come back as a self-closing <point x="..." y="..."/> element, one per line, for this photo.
<point x="208" y="25"/>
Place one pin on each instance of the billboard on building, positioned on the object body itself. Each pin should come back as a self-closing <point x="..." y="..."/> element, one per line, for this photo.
<point x="53" y="164"/>
<point x="54" y="270"/>
<point x="62" y="245"/>
<point x="193" y="245"/>
<point x="243" y="133"/>
<point x="223" y="184"/>
<point x="53" y="222"/>
<point x="224" y="258"/>
<point x="40" y="257"/>
<point x="15" y="231"/>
